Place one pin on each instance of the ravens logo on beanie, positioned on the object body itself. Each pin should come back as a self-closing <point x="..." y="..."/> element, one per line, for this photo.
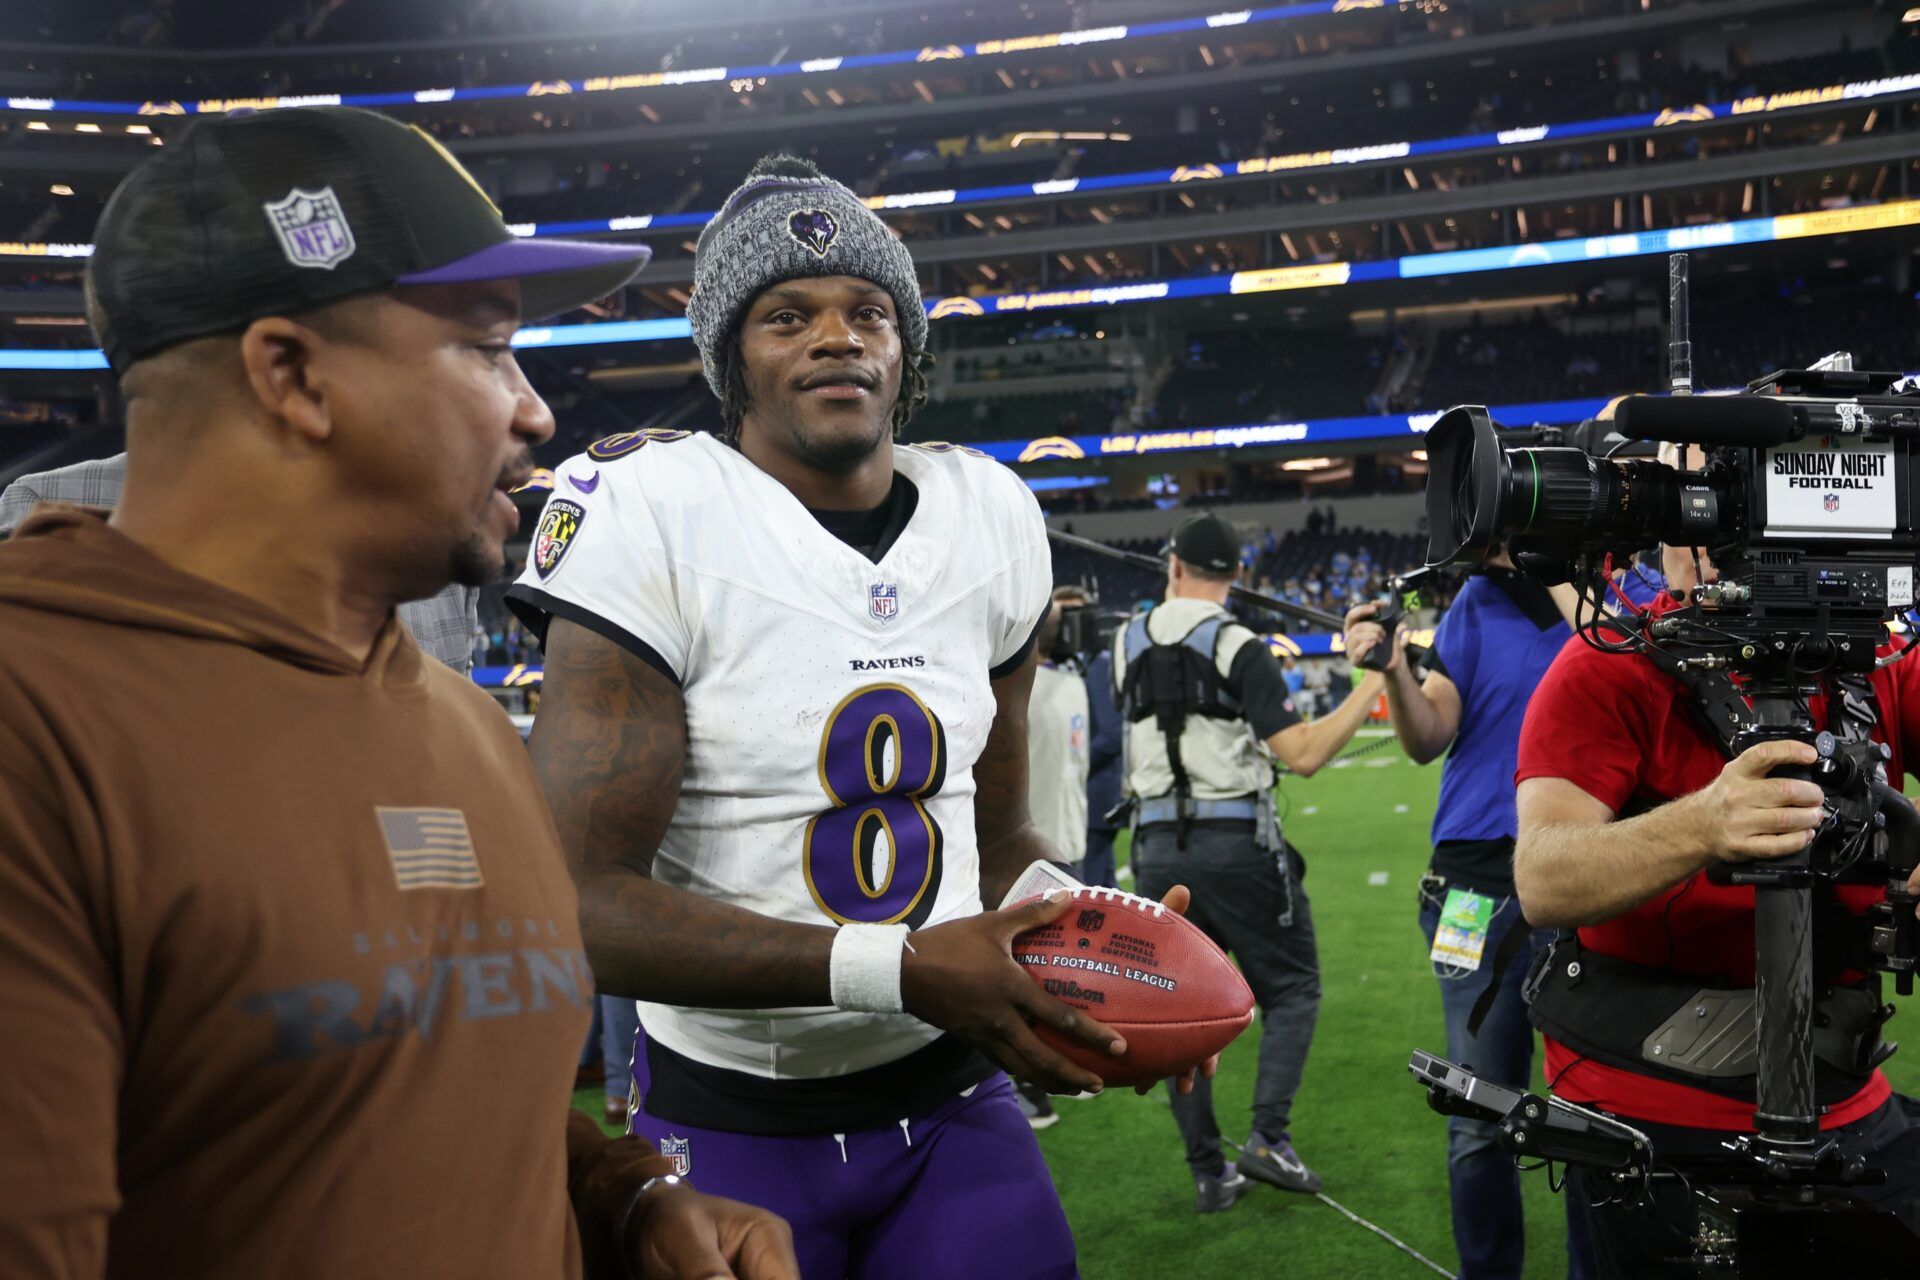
<point x="785" y="222"/>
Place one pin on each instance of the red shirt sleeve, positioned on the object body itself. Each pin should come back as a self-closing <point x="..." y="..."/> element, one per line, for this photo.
<point x="1900" y="686"/>
<point x="1592" y="722"/>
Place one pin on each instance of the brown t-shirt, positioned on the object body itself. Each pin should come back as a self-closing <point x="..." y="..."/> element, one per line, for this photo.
<point x="291" y="980"/>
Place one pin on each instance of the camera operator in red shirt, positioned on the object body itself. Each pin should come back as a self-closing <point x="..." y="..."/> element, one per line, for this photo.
<point x="1625" y="800"/>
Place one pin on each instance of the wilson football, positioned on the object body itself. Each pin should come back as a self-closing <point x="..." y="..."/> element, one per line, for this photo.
<point x="1143" y="970"/>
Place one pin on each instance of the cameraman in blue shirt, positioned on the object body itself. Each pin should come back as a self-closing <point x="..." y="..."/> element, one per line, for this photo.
<point x="1496" y="641"/>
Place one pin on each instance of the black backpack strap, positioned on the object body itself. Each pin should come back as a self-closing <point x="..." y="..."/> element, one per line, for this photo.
<point x="1514" y="941"/>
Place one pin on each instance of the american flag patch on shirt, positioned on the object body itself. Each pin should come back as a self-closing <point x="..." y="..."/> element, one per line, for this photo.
<point x="429" y="848"/>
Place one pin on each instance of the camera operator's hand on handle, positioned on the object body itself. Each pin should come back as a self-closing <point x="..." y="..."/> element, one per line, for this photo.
<point x="1425" y="712"/>
<point x="1363" y="636"/>
<point x="1748" y="814"/>
<point x="1574" y="865"/>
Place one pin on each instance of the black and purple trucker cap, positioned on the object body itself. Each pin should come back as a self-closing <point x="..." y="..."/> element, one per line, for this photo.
<point x="279" y="212"/>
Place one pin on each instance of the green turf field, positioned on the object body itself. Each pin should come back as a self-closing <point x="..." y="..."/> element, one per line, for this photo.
<point x="1360" y="1119"/>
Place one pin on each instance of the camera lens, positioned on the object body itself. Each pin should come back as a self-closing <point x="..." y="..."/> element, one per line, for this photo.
<point x="1552" y="498"/>
<point x="1551" y="491"/>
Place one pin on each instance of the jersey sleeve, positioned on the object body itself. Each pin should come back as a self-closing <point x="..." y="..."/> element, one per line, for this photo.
<point x="1027" y="590"/>
<point x="599" y="559"/>
<point x="1257" y="680"/>
<point x="1589" y="723"/>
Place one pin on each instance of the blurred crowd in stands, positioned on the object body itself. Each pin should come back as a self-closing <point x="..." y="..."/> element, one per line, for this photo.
<point x="499" y="640"/>
<point x="1292" y="371"/>
<point x="1323" y="567"/>
<point x="1580" y="349"/>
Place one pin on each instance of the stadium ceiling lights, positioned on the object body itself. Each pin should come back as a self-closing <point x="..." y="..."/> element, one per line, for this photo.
<point x="1188" y="175"/>
<point x="708" y="75"/>
<point x="1053" y="135"/>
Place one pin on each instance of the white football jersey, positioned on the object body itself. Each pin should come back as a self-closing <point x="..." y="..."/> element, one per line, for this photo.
<point x="835" y="706"/>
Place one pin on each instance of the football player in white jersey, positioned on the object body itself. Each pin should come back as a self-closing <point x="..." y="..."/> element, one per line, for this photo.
<point x="782" y="732"/>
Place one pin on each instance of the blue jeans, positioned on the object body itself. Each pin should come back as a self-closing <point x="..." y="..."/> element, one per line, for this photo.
<point x="619" y="1020"/>
<point x="1488" y="1227"/>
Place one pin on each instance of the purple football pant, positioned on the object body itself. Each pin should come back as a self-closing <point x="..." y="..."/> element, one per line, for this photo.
<point x="958" y="1193"/>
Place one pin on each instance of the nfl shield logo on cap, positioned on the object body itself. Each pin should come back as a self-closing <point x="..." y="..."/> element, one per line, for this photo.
<point x="312" y="228"/>
<point x="883" y="601"/>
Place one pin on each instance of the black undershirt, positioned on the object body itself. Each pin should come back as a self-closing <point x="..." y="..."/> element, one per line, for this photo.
<point x="1256" y="679"/>
<point x="873" y="533"/>
<point x="683" y="1091"/>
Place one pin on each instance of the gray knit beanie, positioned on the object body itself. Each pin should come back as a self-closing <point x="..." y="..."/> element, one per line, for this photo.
<point x="786" y="221"/>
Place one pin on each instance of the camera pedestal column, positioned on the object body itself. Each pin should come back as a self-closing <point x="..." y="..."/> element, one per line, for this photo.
<point x="1786" y="1117"/>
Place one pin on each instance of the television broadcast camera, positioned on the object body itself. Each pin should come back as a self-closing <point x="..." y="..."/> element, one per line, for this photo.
<point x="1804" y="503"/>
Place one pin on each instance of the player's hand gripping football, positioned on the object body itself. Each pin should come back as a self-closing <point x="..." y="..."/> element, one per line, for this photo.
<point x="961" y="977"/>
<point x="677" y="1233"/>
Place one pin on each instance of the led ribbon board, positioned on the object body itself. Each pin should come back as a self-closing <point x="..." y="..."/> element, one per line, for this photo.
<point x="1791" y="226"/>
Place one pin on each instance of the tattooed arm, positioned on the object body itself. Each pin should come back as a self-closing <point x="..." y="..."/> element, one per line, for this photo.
<point x="608" y="746"/>
<point x="1002" y="822"/>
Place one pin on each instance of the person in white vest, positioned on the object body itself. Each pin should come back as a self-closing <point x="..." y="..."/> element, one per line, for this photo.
<point x="1057" y="762"/>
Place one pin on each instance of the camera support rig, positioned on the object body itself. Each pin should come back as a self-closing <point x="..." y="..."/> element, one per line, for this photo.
<point x="1809" y="504"/>
<point x="1748" y="1227"/>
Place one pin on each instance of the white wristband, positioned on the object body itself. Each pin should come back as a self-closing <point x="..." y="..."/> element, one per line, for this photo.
<point x="864" y="971"/>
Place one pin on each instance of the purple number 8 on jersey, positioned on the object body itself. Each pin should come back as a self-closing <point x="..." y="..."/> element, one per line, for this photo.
<point x="875" y="794"/>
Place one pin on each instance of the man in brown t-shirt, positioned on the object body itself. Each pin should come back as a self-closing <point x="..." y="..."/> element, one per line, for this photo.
<point x="291" y="981"/>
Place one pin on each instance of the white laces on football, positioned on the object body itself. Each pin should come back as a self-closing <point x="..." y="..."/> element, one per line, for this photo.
<point x="1121" y="895"/>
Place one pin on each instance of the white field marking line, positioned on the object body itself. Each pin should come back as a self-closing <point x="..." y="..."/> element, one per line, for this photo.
<point x="1160" y="1097"/>
<point x="1388" y="1236"/>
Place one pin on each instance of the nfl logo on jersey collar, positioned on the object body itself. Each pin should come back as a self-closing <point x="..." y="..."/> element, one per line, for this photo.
<point x="680" y="1151"/>
<point x="883" y="601"/>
